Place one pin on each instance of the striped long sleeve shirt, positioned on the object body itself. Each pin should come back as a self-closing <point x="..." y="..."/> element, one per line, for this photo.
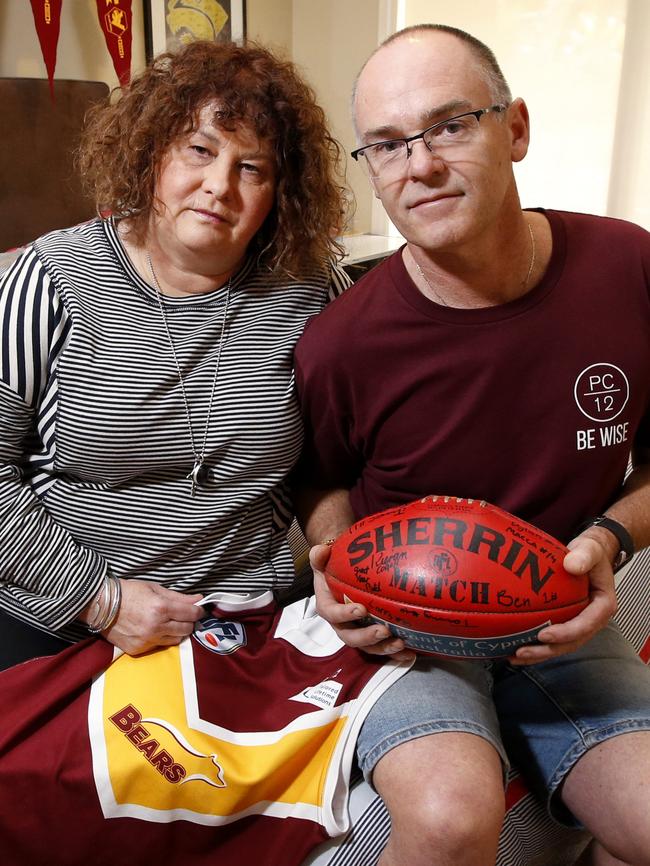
<point x="95" y="448"/>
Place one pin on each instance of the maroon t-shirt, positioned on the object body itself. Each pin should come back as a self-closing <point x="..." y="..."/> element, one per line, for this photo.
<point x="532" y="405"/>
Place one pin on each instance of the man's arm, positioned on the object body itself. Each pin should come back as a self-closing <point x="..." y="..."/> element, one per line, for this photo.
<point x="323" y="515"/>
<point x="632" y="508"/>
<point x="593" y="552"/>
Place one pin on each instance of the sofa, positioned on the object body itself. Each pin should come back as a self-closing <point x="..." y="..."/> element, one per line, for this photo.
<point x="528" y="837"/>
<point x="41" y="190"/>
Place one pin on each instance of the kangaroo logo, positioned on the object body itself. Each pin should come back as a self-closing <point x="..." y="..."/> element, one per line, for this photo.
<point x="194" y="766"/>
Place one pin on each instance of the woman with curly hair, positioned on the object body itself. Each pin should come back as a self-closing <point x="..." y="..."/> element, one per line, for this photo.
<point x="147" y="412"/>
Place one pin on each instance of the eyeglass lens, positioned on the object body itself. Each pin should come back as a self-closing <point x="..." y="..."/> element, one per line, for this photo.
<point x="390" y="156"/>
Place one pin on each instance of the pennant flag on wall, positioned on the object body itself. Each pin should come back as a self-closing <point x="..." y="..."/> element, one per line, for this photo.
<point x="47" y="18"/>
<point x="115" y="19"/>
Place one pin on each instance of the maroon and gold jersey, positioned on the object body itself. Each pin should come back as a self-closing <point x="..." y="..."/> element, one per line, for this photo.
<point x="237" y="742"/>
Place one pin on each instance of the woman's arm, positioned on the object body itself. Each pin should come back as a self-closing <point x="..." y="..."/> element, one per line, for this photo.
<point x="46" y="577"/>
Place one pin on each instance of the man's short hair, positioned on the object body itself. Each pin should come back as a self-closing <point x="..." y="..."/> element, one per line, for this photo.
<point x="487" y="62"/>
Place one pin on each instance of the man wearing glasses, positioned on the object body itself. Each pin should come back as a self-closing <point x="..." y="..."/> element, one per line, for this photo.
<point x="501" y="354"/>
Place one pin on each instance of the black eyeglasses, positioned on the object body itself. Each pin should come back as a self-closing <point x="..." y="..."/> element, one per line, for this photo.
<point x="389" y="158"/>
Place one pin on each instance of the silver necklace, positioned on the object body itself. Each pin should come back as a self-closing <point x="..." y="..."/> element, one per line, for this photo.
<point x="532" y="254"/>
<point x="436" y="294"/>
<point x="200" y="472"/>
<point x="531" y="265"/>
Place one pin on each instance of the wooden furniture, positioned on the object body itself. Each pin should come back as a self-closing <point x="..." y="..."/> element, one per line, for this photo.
<point x="39" y="188"/>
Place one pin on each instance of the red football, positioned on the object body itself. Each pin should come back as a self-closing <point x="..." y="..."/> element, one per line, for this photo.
<point x="455" y="577"/>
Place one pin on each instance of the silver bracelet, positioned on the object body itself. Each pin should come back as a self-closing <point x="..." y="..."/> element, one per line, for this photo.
<point x="115" y="606"/>
<point x="101" y="601"/>
<point x="109" y="606"/>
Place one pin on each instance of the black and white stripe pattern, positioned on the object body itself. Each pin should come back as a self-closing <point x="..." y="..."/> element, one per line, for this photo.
<point x="94" y="442"/>
<point x="528" y="835"/>
<point x="633" y="593"/>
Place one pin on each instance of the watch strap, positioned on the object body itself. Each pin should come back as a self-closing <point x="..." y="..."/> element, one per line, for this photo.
<point x="617" y="529"/>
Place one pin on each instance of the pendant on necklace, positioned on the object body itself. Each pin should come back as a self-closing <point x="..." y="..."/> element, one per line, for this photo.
<point x="200" y="475"/>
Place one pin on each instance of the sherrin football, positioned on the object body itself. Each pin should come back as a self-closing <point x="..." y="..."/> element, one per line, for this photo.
<point x="455" y="577"/>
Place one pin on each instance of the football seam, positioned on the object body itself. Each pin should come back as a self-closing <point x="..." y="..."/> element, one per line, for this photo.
<point x="519" y="611"/>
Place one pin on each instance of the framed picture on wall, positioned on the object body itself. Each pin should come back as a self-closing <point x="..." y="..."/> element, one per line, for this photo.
<point x="170" y="23"/>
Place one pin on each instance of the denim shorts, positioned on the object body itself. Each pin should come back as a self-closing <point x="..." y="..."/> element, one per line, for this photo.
<point x="541" y="717"/>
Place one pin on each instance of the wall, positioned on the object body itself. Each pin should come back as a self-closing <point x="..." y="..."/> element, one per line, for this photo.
<point x="583" y="68"/>
<point x="565" y="60"/>
<point x="82" y="53"/>
<point x="271" y="23"/>
<point x="330" y="42"/>
<point x="629" y="191"/>
<point x="582" y="65"/>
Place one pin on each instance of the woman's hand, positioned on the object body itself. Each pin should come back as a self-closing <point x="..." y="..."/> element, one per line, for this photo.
<point x="344" y="618"/>
<point x="151" y="615"/>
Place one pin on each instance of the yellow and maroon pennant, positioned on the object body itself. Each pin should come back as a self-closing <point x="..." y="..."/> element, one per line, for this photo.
<point x="115" y="19"/>
<point x="47" y="18"/>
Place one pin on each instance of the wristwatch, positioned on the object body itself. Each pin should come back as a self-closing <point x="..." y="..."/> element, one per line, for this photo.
<point x="624" y="538"/>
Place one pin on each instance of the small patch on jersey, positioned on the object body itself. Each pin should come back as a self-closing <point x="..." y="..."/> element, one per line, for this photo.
<point x="220" y="636"/>
<point x="323" y="695"/>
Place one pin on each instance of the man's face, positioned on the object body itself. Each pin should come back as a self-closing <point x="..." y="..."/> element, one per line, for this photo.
<point x="438" y="203"/>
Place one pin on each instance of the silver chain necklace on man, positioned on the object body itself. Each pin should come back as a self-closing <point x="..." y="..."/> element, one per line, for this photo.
<point x="531" y="265"/>
<point x="200" y="473"/>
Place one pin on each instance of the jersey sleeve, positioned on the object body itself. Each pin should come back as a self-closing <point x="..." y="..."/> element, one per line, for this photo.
<point x="46" y="578"/>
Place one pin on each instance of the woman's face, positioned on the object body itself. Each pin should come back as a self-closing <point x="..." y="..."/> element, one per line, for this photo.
<point x="215" y="188"/>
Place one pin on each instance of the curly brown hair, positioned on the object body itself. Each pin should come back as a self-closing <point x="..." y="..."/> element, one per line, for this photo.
<point x="124" y="143"/>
